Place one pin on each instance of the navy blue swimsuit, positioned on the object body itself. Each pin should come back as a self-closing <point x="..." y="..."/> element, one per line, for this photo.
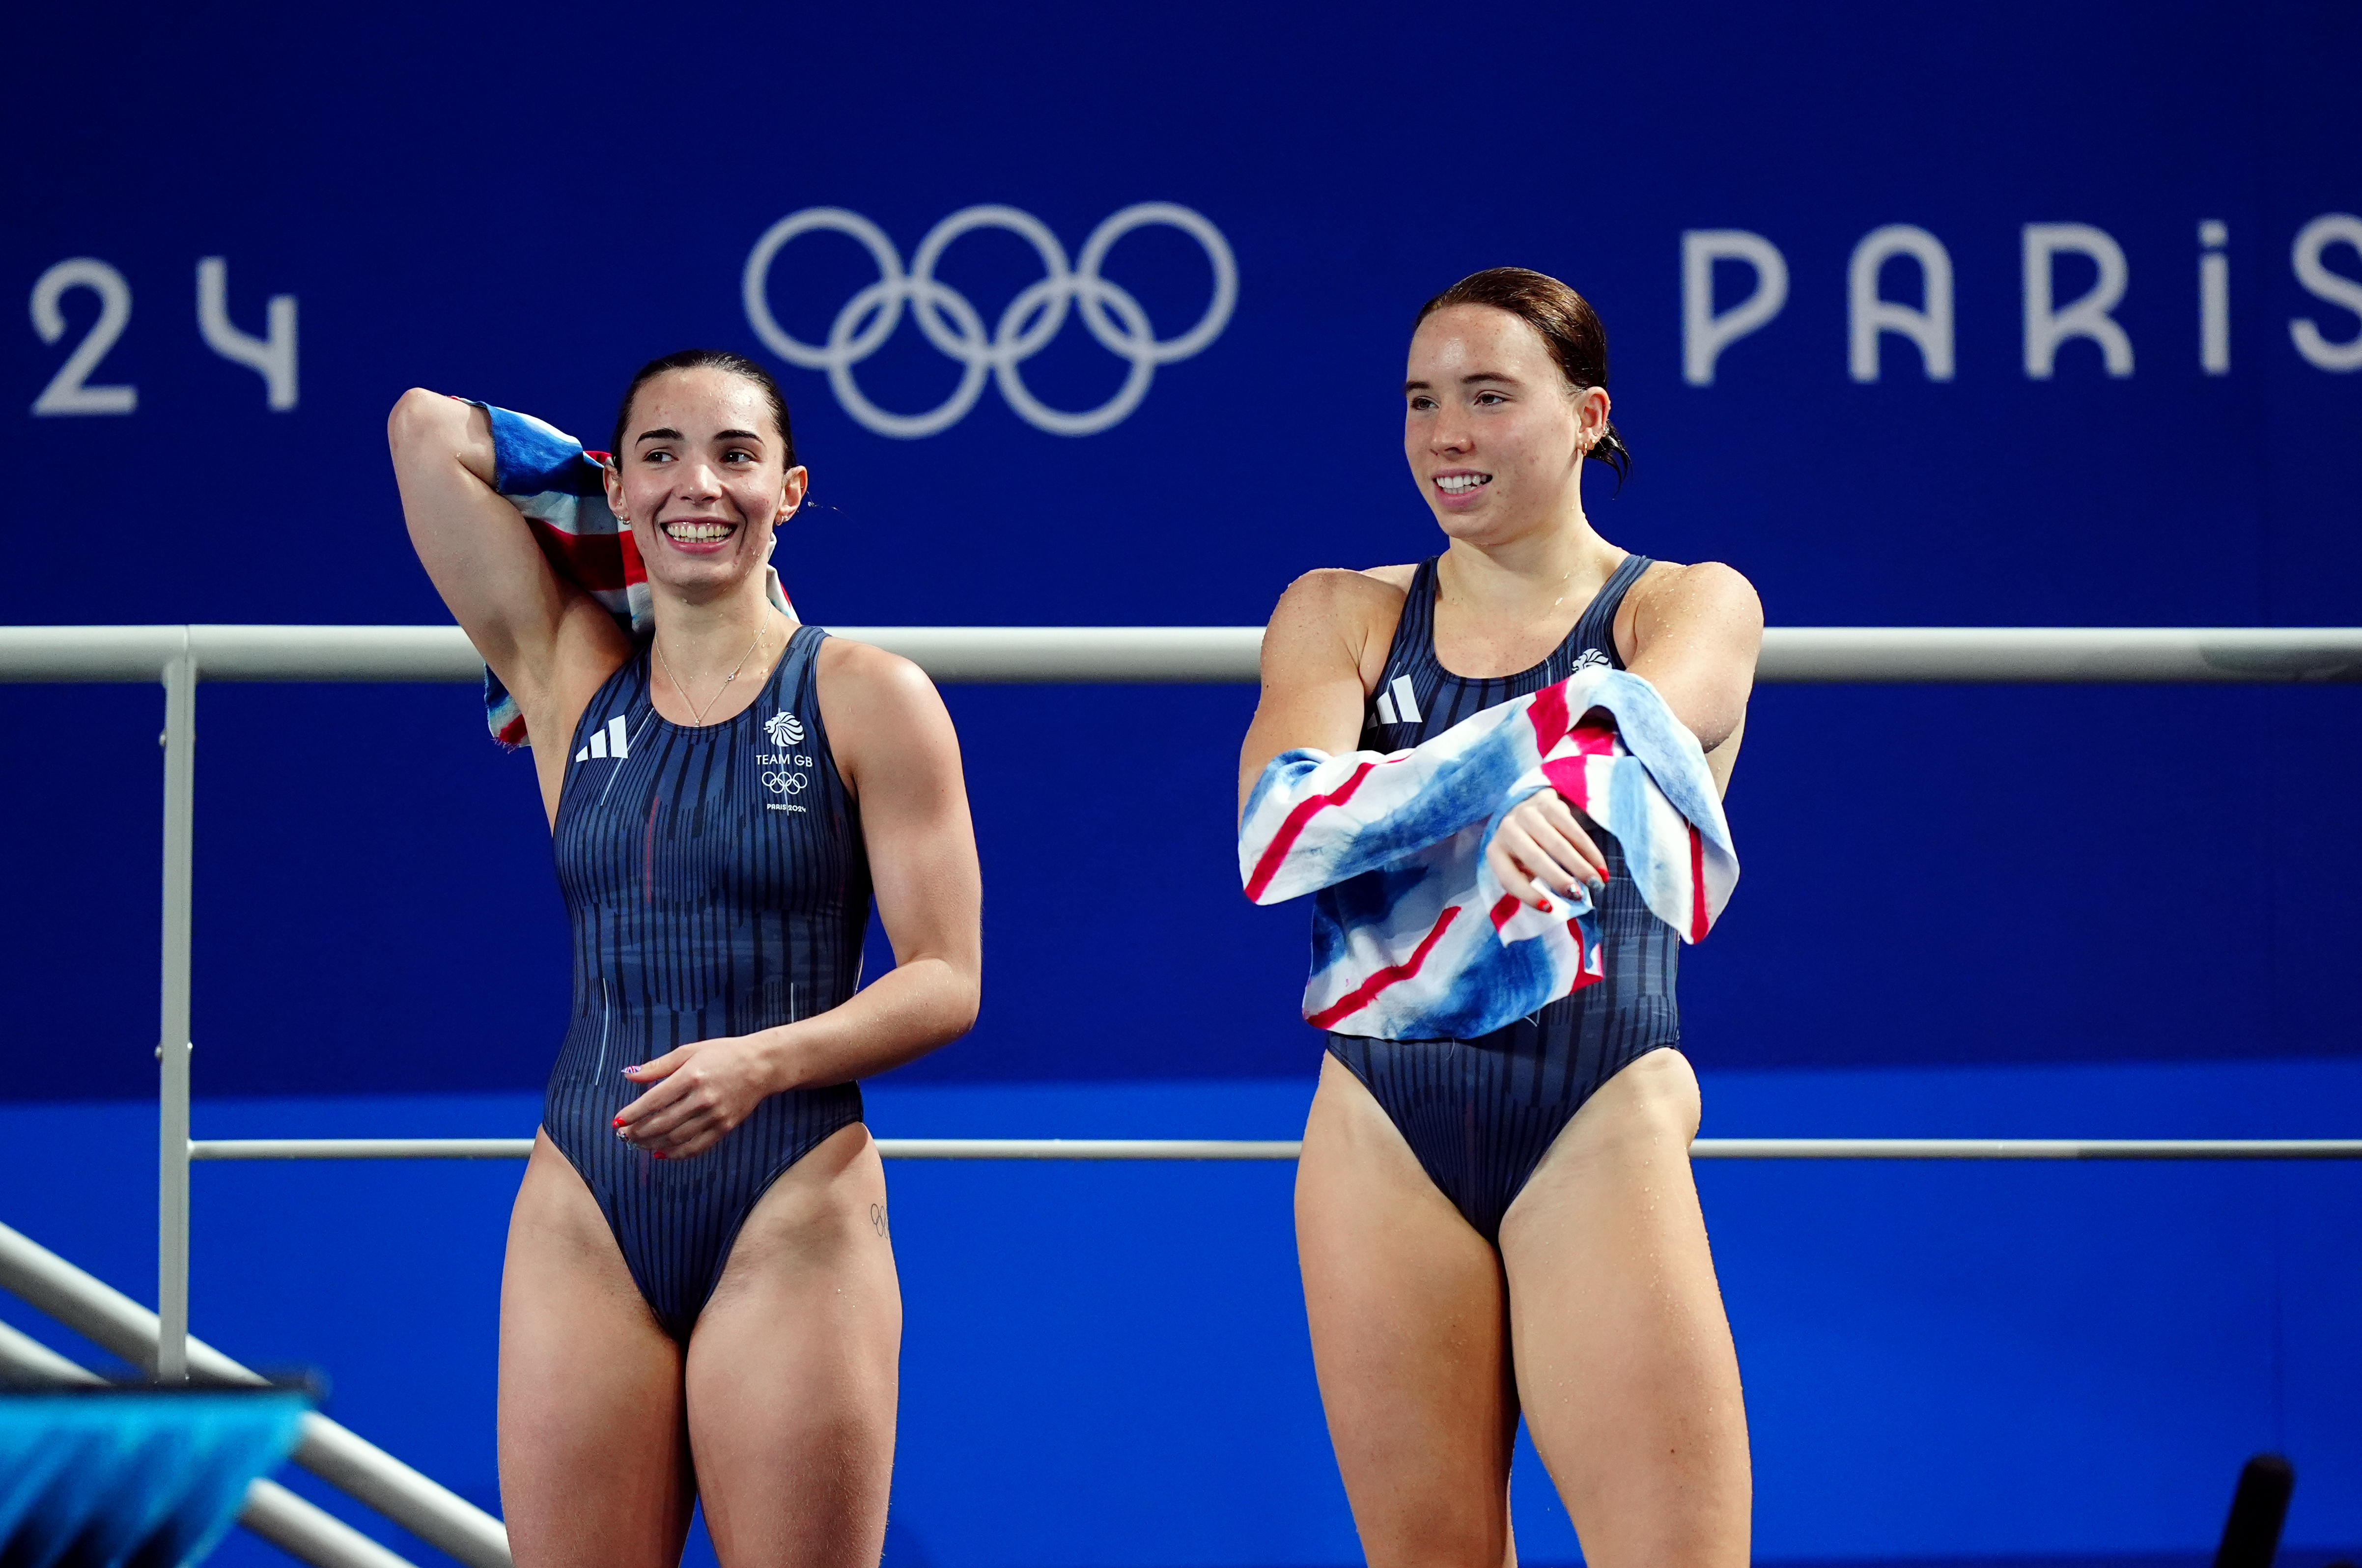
<point x="1480" y="1114"/>
<point x="718" y="885"/>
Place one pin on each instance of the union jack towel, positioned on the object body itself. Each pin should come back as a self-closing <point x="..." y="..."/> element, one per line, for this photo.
<point x="1417" y="939"/>
<point x="561" y="490"/>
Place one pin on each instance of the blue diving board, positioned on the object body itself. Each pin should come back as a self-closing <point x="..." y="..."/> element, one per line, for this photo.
<point x="136" y="1477"/>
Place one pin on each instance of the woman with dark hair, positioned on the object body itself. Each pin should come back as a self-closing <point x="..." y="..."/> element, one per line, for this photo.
<point x="700" y="1298"/>
<point x="1507" y="1222"/>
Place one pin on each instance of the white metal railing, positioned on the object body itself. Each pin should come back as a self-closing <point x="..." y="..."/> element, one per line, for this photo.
<point x="2017" y="655"/>
<point x="1289" y="1148"/>
<point x="180" y="657"/>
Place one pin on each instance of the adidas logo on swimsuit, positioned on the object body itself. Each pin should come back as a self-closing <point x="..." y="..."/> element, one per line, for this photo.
<point x="1397" y="699"/>
<point x="613" y="741"/>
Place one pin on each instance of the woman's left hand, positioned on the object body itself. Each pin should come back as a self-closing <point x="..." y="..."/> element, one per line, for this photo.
<point x="1541" y="848"/>
<point x="695" y="1094"/>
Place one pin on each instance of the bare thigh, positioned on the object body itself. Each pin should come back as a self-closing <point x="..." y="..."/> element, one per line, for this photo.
<point x="792" y="1370"/>
<point x="1408" y="1337"/>
<point x="1624" y="1358"/>
<point x="593" y="1457"/>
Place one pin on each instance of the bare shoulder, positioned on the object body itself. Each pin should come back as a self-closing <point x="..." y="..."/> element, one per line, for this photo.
<point x="1329" y="621"/>
<point x="867" y="682"/>
<point x="1331" y="589"/>
<point x="1343" y="601"/>
<point x="1670" y="595"/>
<point x="889" y="731"/>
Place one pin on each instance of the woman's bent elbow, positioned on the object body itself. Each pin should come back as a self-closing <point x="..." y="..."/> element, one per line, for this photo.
<point x="966" y="1002"/>
<point x="427" y="429"/>
<point x="421" y="419"/>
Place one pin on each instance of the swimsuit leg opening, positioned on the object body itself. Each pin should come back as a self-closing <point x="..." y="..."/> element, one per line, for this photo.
<point x="753" y="1199"/>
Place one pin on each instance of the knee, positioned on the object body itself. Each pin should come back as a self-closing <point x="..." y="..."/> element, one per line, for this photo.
<point x="1432" y="1537"/>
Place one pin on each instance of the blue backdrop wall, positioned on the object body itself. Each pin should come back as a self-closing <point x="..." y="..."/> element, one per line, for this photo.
<point x="2018" y="316"/>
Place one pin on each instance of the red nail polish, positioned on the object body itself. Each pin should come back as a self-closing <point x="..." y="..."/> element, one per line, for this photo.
<point x="619" y="1121"/>
<point x="659" y="1153"/>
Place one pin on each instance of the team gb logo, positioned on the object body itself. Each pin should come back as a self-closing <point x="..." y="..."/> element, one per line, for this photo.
<point x="785" y="729"/>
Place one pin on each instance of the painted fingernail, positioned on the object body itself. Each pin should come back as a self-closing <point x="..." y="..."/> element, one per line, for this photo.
<point x="659" y="1153"/>
<point x="619" y="1121"/>
<point x="632" y="1071"/>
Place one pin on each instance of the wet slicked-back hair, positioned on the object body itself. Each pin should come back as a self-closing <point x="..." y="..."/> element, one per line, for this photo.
<point x="1567" y="323"/>
<point x="710" y="359"/>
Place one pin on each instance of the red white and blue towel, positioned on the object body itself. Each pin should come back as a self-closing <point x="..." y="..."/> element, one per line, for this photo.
<point x="560" y="488"/>
<point x="1420" y="940"/>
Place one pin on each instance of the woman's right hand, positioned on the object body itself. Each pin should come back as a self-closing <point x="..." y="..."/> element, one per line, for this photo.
<point x="1541" y="849"/>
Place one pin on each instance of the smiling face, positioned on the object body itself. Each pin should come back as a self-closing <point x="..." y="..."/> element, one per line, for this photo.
<point x="1494" y="434"/>
<point x="700" y="475"/>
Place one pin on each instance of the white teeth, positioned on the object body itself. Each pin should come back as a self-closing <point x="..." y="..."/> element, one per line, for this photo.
<point x="697" y="532"/>
<point x="1458" y="484"/>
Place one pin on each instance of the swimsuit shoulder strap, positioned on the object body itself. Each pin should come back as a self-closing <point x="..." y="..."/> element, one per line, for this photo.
<point x="795" y="693"/>
<point x="794" y="674"/>
<point x="1413" y="647"/>
<point x="1595" y="627"/>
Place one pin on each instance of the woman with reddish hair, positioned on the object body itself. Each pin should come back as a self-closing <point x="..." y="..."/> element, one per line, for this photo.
<point x="1507" y="1223"/>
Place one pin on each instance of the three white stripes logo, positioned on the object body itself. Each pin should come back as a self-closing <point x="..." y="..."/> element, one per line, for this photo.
<point x="614" y="741"/>
<point x="1400" y="702"/>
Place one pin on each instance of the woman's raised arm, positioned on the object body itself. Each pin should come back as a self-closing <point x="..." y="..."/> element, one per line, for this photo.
<point x="530" y="628"/>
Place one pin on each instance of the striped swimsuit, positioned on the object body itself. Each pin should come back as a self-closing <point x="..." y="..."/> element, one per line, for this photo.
<point x="717" y="884"/>
<point x="1480" y="1114"/>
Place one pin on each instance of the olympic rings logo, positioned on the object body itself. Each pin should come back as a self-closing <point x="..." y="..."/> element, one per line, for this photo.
<point x="1025" y="327"/>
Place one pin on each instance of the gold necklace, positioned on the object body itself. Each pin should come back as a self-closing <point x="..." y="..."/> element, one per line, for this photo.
<point x="697" y="714"/>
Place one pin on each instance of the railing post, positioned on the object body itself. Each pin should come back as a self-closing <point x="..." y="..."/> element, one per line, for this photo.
<point x="172" y="1038"/>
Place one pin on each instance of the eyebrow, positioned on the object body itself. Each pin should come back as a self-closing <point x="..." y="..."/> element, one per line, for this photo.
<point x="1468" y="381"/>
<point x="667" y="433"/>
